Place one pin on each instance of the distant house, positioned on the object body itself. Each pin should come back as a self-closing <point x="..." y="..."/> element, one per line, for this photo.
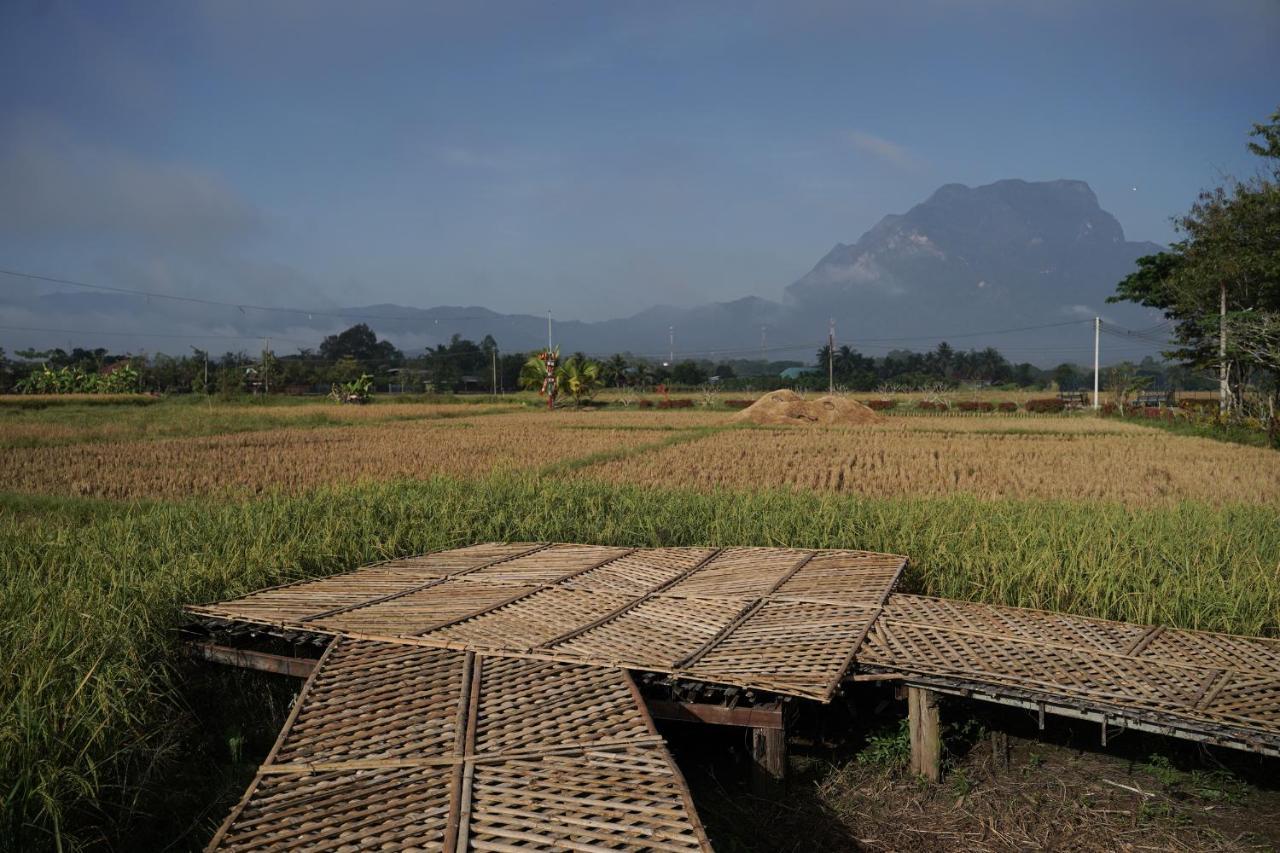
<point x="793" y="373"/>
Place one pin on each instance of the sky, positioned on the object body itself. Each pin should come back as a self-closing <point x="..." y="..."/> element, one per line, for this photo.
<point x="589" y="158"/>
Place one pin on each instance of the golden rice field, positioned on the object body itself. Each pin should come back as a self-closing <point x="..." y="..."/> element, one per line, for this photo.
<point x="1078" y="460"/>
<point x="292" y="460"/>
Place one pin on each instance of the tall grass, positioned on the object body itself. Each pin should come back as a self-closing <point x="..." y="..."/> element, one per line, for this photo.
<point x="91" y="700"/>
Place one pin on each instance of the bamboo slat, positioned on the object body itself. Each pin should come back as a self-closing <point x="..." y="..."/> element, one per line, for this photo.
<point x="407" y="748"/>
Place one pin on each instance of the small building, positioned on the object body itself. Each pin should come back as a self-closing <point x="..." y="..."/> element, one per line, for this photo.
<point x="793" y="373"/>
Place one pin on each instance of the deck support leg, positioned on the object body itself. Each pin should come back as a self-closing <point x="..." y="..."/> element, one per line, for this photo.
<point x="768" y="760"/>
<point x="1000" y="749"/>
<point x="926" y="740"/>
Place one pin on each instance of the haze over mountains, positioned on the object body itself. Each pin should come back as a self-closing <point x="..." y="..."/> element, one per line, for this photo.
<point x="1010" y="254"/>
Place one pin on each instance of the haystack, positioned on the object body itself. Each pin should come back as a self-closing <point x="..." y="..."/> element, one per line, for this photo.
<point x="787" y="407"/>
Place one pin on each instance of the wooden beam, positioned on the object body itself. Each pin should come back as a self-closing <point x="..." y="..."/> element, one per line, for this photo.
<point x="926" y="740"/>
<point x="246" y="659"/>
<point x="767" y="717"/>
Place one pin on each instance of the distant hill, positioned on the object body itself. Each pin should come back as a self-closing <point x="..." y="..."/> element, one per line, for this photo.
<point x="1009" y="254"/>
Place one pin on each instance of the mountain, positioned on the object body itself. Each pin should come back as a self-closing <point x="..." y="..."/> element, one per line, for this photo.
<point x="1008" y="251"/>
<point x="965" y="261"/>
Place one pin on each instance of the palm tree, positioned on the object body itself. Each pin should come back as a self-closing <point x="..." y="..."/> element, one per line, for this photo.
<point x="614" y="371"/>
<point x="579" y="376"/>
<point x="532" y="372"/>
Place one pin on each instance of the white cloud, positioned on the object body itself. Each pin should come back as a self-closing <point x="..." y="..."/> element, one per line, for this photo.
<point x="886" y="150"/>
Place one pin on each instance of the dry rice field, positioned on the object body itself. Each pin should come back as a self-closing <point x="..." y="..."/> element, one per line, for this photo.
<point x="293" y="460"/>
<point x="1069" y="459"/>
<point x="180" y="452"/>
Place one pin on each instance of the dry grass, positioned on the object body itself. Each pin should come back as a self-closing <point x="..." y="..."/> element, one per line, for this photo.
<point x="1136" y="467"/>
<point x="293" y="460"/>
<point x="73" y="424"/>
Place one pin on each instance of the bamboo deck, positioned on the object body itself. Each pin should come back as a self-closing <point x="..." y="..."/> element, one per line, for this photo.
<point x="479" y="699"/>
<point x="777" y="619"/>
<point x="1218" y="688"/>
<point x="399" y="747"/>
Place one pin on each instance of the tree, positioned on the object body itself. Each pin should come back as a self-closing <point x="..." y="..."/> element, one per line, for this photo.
<point x="1230" y="254"/>
<point x="688" y="372"/>
<point x="360" y="342"/>
<point x="579" y="377"/>
<point x="614" y="371"/>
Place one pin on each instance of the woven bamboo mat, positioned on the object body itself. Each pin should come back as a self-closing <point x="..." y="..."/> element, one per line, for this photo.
<point x="1218" y="683"/>
<point x="399" y="747"/>
<point x="778" y="619"/>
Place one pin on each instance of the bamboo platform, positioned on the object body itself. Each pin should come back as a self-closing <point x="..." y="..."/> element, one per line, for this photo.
<point x="401" y="747"/>
<point x="777" y="619"/>
<point x="480" y="699"/>
<point x="1216" y="688"/>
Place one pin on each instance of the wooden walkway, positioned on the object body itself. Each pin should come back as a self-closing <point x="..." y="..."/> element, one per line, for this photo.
<point x="480" y="699"/>
<point x="399" y="747"/>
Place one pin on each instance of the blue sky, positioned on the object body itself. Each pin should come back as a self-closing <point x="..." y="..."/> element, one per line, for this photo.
<point x="595" y="158"/>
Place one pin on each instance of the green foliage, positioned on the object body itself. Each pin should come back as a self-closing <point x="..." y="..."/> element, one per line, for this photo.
<point x="123" y="379"/>
<point x="889" y="747"/>
<point x="358" y="390"/>
<point x="1232" y="242"/>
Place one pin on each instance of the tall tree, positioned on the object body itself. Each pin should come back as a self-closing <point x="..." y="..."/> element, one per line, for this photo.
<point x="1223" y="278"/>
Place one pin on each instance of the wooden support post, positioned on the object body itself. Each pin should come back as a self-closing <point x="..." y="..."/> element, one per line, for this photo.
<point x="1000" y="749"/>
<point x="768" y="760"/>
<point x="926" y="741"/>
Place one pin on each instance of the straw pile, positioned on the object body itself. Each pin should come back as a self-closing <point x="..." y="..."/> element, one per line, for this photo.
<point x="779" y="408"/>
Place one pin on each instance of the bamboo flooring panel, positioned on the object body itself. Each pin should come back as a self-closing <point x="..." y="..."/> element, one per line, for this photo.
<point x="1223" y="685"/>
<point x="397" y="747"/>
<point x="782" y="619"/>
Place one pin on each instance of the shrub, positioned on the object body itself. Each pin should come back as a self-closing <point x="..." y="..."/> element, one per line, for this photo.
<point x="1045" y="404"/>
<point x="880" y="405"/>
<point x="739" y="404"/>
<point x="931" y="406"/>
<point x="1008" y="406"/>
<point x="682" y="403"/>
<point x="975" y="406"/>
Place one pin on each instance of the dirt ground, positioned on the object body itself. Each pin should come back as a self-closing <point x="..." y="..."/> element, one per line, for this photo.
<point x="1059" y="790"/>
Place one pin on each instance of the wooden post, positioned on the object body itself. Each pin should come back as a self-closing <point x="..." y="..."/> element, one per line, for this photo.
<point x="1000" y="749"/>
<point x="926" y="742"/>
<point x="768" y="760"/>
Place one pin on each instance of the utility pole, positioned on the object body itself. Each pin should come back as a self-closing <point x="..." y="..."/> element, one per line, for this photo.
<point x="1097" y="333"/>
<point x="1224" y="384"/>
<point x="831" y="357"/>
<point x="671" y="345"/>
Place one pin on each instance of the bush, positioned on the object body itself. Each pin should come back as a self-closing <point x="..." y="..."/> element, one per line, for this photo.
<point x="975" y="406"/>
<point x="931" y="406"/>
<point x="1045" y="404"/>
<point x="1008" y="406"/>
<point x="645" y="404"/>
<point x="682" y="403"/>
<point x="880" y="405"/>
<point x="739" y="404"/>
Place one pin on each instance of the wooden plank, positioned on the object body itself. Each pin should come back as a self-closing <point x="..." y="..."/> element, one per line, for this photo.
<point x="249" y="659"/>
<point x="762" y="717"/>
<point x="926" y="738"/>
